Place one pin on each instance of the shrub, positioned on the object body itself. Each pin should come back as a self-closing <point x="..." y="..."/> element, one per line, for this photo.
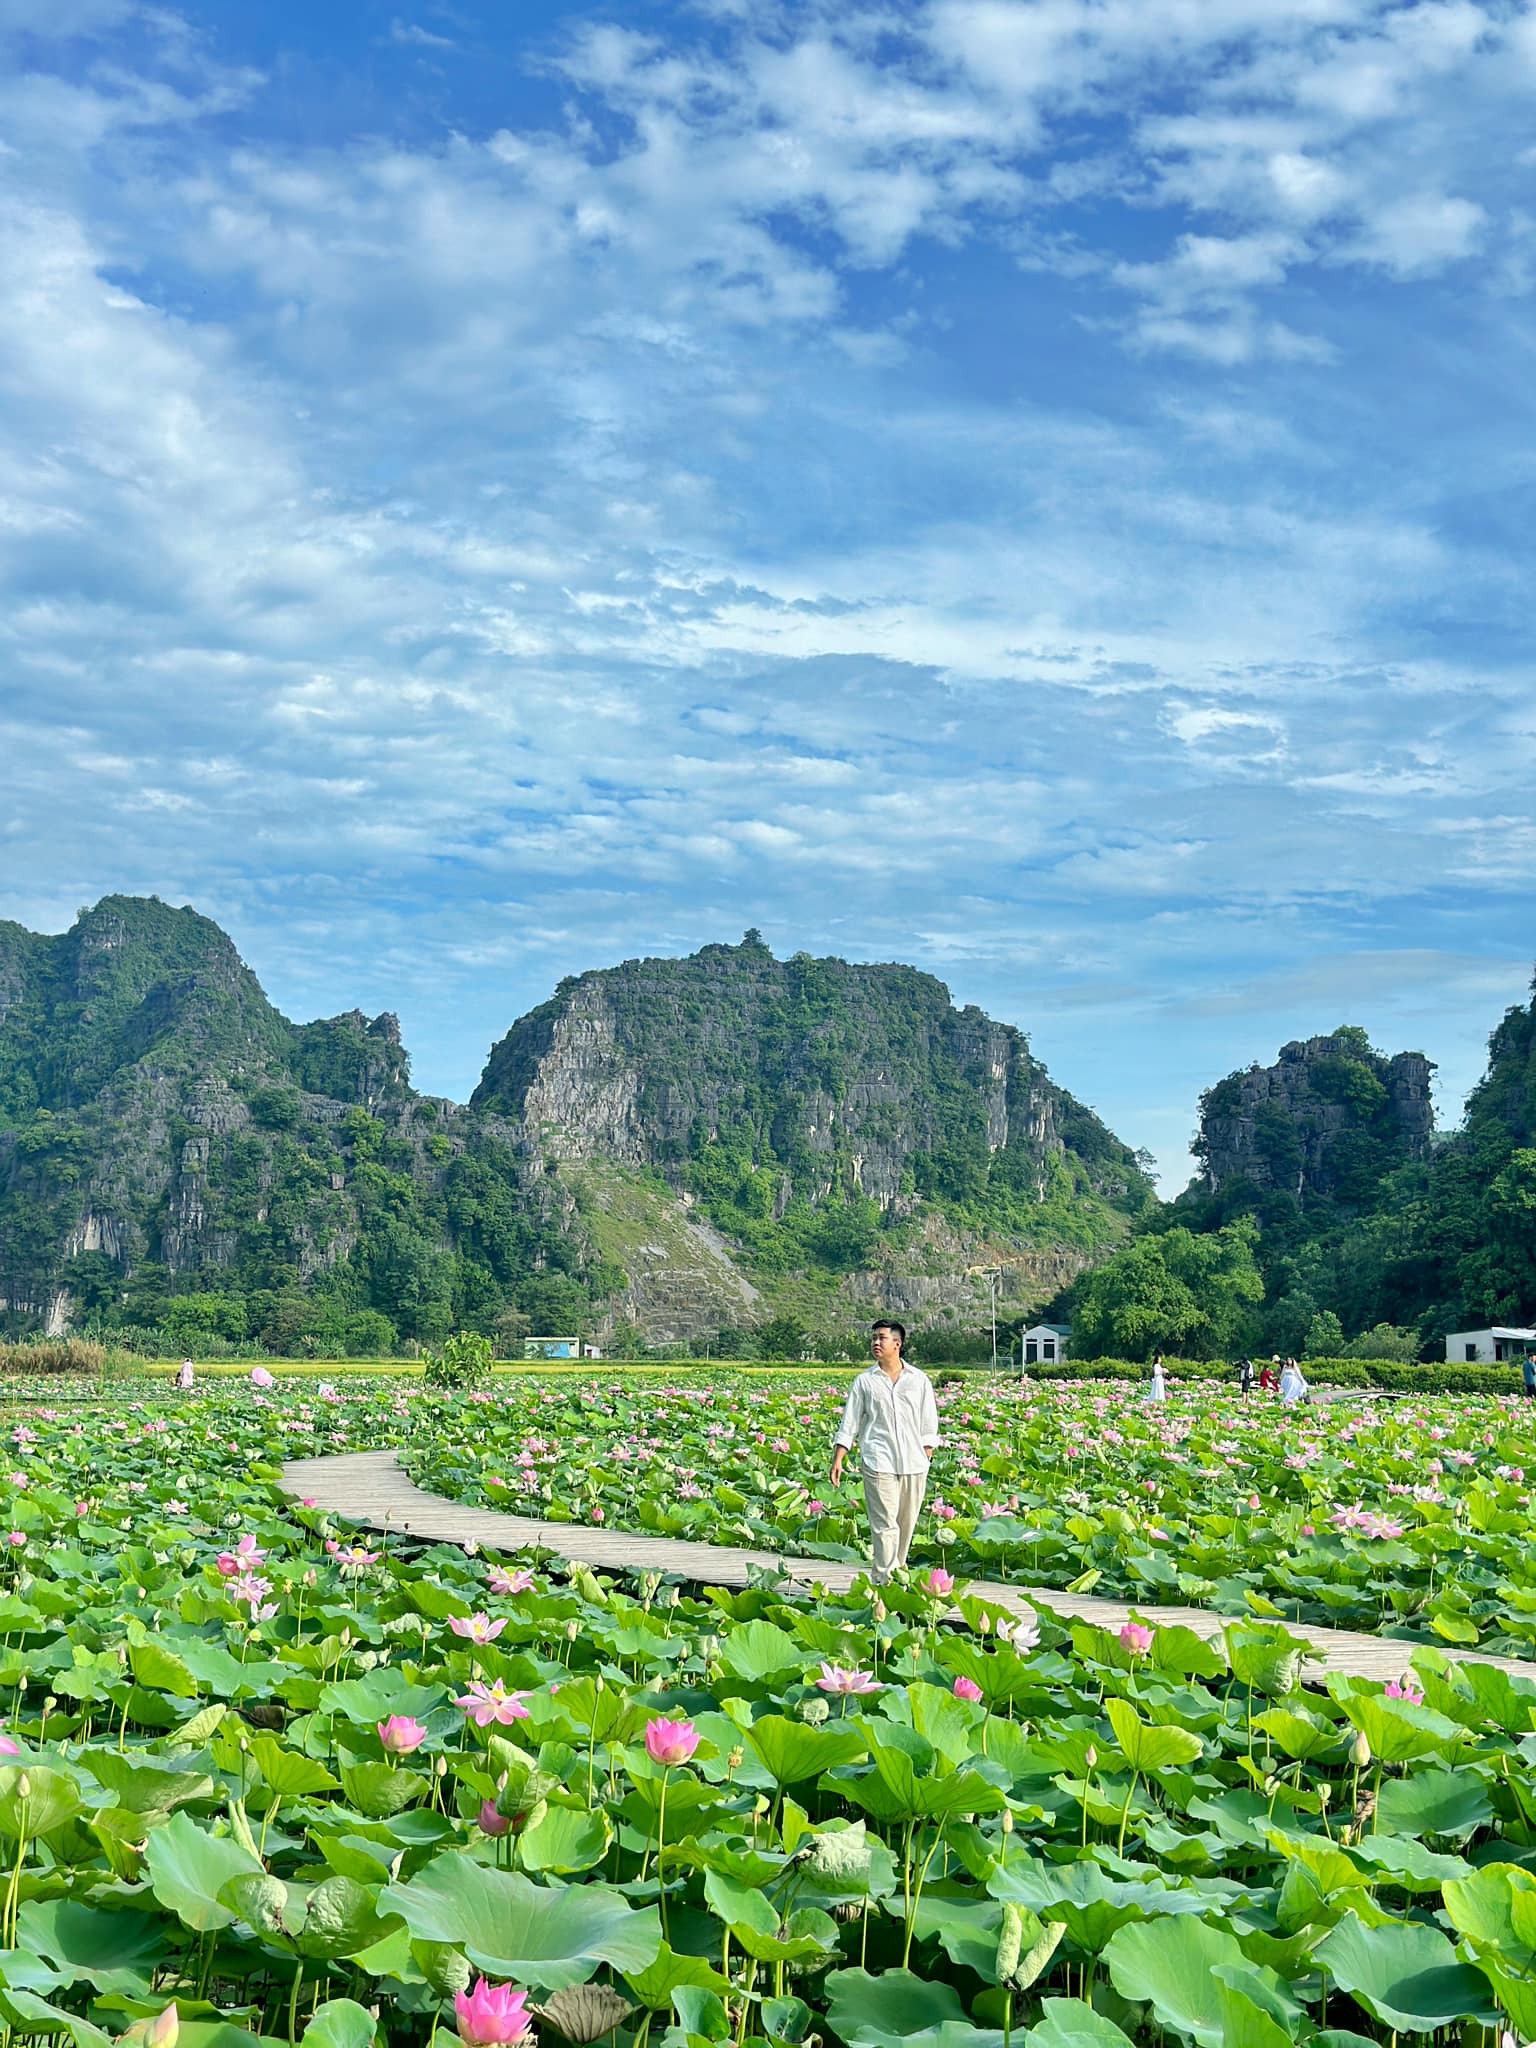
<point x="462" y="1360"/>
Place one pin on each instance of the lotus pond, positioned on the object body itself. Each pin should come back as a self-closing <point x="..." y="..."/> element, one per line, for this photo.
<point x="266" y="1780"/>
<point x="1404" y="1517"/>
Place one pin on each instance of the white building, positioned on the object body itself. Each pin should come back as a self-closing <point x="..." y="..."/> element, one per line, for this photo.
<point x="1046" y="1342"/>
<point x="1487" y="1347"/>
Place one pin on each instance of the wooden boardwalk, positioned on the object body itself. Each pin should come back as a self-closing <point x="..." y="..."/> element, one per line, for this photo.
<point x="372" y="1488"/>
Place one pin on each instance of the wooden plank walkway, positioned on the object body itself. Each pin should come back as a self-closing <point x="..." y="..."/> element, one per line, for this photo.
<point x="372" y="1488"/>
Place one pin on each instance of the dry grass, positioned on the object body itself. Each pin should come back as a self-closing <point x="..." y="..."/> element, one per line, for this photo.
<point x="55" y="1355"/>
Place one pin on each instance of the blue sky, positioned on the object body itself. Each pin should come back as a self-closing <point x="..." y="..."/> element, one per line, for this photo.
<point x="1037" y="488"/>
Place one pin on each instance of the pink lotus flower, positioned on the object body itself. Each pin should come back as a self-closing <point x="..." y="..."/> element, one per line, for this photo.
<point x="17" y="1539"/>
<point x="966" y="1689"/>
<point x="507" y="1583"/>
<point x="670" y="1742"/>
<point x="484" y="1704"/>
<point x="260" y="1377"/>
<point x="840" y="1678"/>
<point x="353" y="1558"/>
<point x="245" y="1557"/>
<point x="1136" y="1637"/>
<point x="939" y="1582"/>
<point x="491" y="2014"/>
<point x="9" y="1748"/>
<point x="490" y="1820"/>
<point x="1404" y="1688"/>
<point x="478" y="1627"/>
<point x="400" y="1735"/>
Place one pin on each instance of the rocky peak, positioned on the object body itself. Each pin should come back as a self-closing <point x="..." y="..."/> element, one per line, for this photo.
<point x="1325" y="1122"/>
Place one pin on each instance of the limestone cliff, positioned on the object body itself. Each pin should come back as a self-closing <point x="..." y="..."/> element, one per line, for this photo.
<point x="657" y="1143"/>
<point x="827" y="1116"/>
<point x="1324" y="1123"/>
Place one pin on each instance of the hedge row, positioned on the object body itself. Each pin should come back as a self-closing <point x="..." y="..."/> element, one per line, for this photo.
<point x="1384" y="1374"/>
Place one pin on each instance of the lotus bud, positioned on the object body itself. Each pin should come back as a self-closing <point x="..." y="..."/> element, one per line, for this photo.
<point x="599" y="1684"/>
<point x="263" y="1901"/>
<point x="346" y="1639"/>
<point x="441" y="1767"/>
<point x="453" y="1971"/>
<point x="1360" y="1750"/>
<point x="879" y="1609"/>
<point x="164" y="2028"/>
<point x="984" y="1623"/>
<point x="1090" y="1757"/>
<point x="1324" y="1792"/>
<point x="1010" y="1941"/>
<point x="1008" y="1820"/>
<point x="24" y="1786"/>
<point x="572" y="1629"/>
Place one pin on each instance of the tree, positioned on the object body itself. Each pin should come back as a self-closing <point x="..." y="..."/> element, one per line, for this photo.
<point x="1325" y="1336"/>
<point x="781" y="1337"/>
<point x="1176" y="1292"/>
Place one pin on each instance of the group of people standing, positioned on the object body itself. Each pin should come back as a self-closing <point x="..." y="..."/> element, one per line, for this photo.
<point x="1279" y="1376"/>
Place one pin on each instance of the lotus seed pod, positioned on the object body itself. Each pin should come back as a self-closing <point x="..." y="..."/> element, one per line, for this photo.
<point x="1324" y="1792"/>
<point x="736" y="1758"/>
<point x="1360" y="1750"/>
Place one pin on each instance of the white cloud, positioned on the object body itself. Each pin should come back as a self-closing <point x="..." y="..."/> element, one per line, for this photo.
<point x="587" y="536"/>
<point x="1421" y="232"/>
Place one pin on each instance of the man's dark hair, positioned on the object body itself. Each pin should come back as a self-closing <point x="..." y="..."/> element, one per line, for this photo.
<point x="890" y="1323"/>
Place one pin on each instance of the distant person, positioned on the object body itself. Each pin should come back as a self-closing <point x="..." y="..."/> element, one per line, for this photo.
<point x="1269" y="1378"/>
<point x="1158" y="1391"/>
<point x="1293" y="1387"/>
<point x="1528" y="1374"/>
<point x="185" y="1376"/>
<point x="1245" y="1375"/>
<point x="893" y="1419"/>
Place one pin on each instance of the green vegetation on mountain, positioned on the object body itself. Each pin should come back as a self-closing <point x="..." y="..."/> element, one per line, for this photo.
<point x="1370" y="1235"/>
<point x="814" y="1106"/>
<point x="180" y="1161"/>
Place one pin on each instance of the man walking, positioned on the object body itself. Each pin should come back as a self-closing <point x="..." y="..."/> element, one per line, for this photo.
<point x="892" y="1417"/>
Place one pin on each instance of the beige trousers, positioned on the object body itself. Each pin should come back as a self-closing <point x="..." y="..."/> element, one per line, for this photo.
<point x="891" y="1500"/>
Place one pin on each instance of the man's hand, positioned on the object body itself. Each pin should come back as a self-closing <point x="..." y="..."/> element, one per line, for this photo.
<point x="838" y="1457"/>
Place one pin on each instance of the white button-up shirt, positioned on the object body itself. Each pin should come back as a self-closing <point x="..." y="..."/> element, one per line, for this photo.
<point x="894" y="1422"/>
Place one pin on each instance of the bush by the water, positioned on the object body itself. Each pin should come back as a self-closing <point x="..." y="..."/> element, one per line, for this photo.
<point x="463" y="1360"/>
<point x="1385" y="1374"/>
